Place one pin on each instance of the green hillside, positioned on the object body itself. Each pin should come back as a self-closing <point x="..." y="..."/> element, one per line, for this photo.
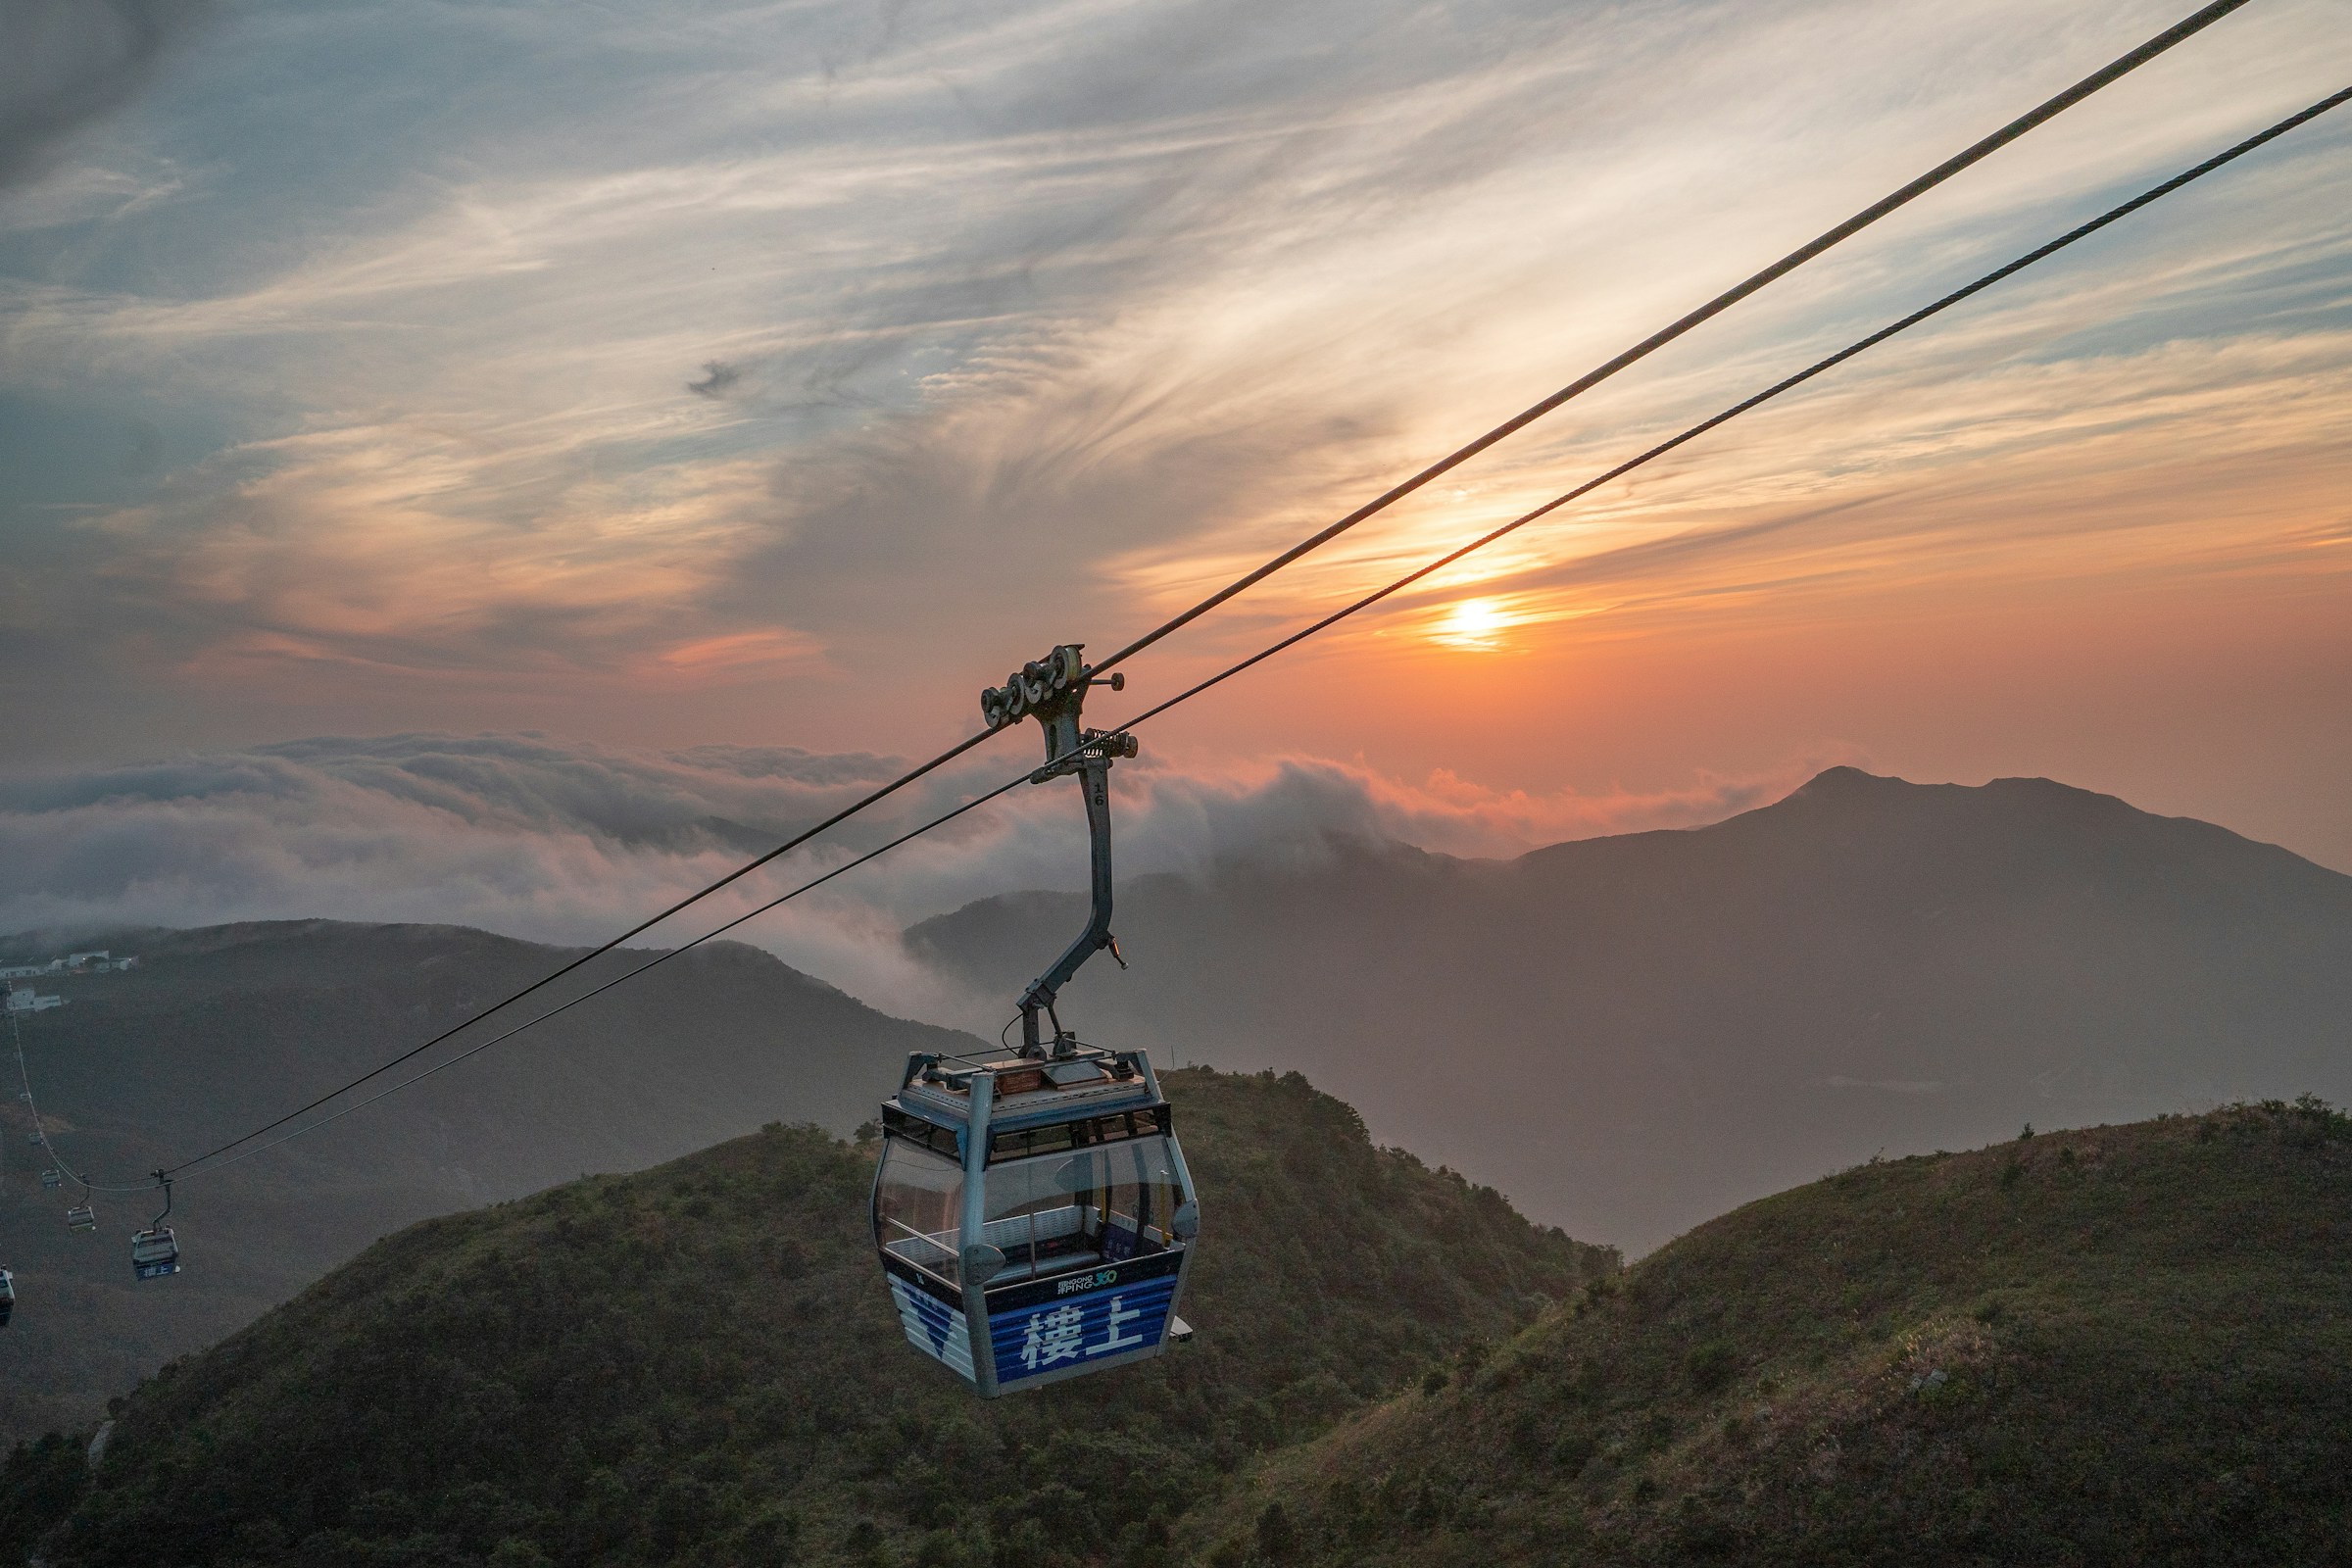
<point x="699" y="1364"/>
<point x="2129" y="1345"/>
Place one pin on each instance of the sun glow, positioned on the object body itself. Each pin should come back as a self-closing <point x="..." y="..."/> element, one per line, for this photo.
<point x="1475" y="624"/>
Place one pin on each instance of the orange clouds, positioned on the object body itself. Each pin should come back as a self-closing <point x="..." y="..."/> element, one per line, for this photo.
<point x="737" y="656"/>
<point x="1039" y="322"/>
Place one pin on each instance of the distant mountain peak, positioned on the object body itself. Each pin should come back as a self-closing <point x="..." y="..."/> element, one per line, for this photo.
<point x="1848" y="787"/>
<point x="1845" y="778"/>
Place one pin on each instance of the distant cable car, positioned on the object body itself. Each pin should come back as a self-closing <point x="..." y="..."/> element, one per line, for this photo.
<point x="82" y="1217"/>
<point x="1035" y="1206"/>
<point x="155" y="1251"/>
<point x="7" y="1296"/>
<point x="52" y="1180"/>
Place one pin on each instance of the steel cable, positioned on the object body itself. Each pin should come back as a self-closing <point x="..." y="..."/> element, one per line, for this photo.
<point x="545" y="980"/>
<point x="57" y="1161"/>
<point x="2081" y="232"/>
<point x="974" y="804"/>
<point x="1745" y="405"/>
<point x="2196" y="22"/>
<point x="2155" y="46"/>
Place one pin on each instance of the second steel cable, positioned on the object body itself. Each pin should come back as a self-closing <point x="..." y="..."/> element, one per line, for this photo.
<point x="1819" y="367"/>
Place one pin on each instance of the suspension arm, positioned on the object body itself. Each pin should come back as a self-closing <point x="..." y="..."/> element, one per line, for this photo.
<point x="1052" y="691"/>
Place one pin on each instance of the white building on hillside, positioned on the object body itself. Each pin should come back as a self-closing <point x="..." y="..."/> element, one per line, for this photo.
<point x="95" y="962"/>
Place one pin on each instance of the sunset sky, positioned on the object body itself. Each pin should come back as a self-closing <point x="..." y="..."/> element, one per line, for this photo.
<point x="689" y="385"/>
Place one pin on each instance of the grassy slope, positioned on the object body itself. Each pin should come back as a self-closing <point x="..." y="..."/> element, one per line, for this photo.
<point x="699" y="1364"/>
<point x="2124" y="1344"/>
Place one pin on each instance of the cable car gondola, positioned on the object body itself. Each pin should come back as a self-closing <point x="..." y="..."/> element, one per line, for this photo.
<point x="7" y="1296"/>
<point x="52" y="1180"/>
<point x="155" y="1251"/>
<point x="1036" y="1205"/>
<point x="82" y="1217"/>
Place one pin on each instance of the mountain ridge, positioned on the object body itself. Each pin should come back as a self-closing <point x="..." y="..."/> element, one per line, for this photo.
<point x="1719" y="1011"/>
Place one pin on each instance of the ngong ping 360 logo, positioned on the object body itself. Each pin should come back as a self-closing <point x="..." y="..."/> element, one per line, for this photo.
<point x="1088" y="1282"/>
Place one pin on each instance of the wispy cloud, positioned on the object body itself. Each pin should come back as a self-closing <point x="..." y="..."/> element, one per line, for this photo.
<point x="821" y="351"/>
<point x="65" y="63"/>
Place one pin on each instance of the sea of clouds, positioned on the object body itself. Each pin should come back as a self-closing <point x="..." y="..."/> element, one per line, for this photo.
<point x="571" y="842"/>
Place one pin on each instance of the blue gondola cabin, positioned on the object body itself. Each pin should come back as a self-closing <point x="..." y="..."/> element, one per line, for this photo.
<point x="153" y="1254"/>
<point x="1038" y="1208"/>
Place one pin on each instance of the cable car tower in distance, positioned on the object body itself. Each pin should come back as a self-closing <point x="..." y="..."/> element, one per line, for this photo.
<point x="1032" y="1210"/>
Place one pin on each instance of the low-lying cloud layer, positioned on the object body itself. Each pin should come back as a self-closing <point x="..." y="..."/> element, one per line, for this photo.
<point x="574" y="843"/>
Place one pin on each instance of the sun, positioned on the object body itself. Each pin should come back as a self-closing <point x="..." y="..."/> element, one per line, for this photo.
<point x="1472" y="624"/>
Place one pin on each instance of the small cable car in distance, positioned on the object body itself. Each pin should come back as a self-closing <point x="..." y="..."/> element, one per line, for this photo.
<point x="155" y="1251"/>
<point x="7" y="1296"/>
<point x="1031" y="1211"/>
<point x="82" y="1217"/>
<point x="52" y="1180"/>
